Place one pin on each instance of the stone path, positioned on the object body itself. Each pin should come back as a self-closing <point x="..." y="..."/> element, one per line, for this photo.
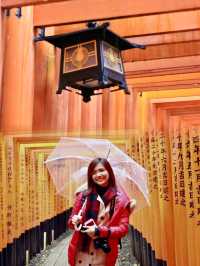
<point x="56" y="253"/>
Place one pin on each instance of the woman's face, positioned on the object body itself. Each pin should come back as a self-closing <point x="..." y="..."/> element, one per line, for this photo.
<point x="100" y="175"/>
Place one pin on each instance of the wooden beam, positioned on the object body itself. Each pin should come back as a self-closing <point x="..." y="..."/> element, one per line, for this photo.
<point x="166" y="82"/>
<point x="166" y="78"/>
<point x="167" y="85"/>
<point x="179" y="65"/>
<point x="171" y="102"/>
<point x="139" y="26"/>
<point x="193" y="110"/>
<point x="190" y="120"/>
<point x="163" y="51"/>
<point x="180" y="106"/>
<point x="20" y="3"/>
<point x="167" y="38"/>
<point x="98" y="10"/>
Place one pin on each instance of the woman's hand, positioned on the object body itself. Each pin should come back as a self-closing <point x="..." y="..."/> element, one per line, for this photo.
<point x="132" y="205"/>
<point x="76" y="219"/>
<point x="90" y="230"/>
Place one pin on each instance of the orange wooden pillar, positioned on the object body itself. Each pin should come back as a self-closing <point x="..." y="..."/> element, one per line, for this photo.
<point x="2" y="37"/>
<point x="18" y="79"/>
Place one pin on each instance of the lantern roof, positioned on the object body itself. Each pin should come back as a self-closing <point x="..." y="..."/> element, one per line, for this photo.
<point x="98" y="32"/>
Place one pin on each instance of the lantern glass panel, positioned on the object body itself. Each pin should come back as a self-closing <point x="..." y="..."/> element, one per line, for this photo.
<point x="112" y="58"/>
<point x="80" y="56"/>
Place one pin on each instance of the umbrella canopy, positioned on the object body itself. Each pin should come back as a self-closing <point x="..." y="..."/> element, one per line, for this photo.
<point x="68" y="163"/>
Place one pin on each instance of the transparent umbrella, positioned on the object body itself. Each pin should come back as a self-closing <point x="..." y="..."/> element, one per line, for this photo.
<point x="68" y="163"/>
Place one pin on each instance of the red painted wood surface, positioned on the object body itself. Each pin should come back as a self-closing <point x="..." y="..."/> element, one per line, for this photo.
<point x="164" y="85"/>
<point x="20" y="3"/>
<point x="18" y="74"/>
<point x="53" y="14"/>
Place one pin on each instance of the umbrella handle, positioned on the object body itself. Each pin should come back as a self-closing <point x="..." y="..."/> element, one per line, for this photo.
<point x="78" y="227"/>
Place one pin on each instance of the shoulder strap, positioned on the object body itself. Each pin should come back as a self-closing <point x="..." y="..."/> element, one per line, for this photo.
<point x="83" y="198"/>
<point x="83" y="202"/>
<point x="112" y="206"/>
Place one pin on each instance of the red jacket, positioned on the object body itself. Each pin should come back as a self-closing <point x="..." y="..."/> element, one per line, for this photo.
<point x="118" y="226"/>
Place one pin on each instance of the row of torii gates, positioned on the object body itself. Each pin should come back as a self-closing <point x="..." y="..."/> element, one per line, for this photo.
<point x="158" y="124"/>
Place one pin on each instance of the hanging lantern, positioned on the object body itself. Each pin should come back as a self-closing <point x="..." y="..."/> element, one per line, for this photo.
<point x="91" y="60"/>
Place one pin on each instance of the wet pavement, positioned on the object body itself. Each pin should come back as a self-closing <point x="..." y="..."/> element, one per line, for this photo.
<point x="56" y="253"/>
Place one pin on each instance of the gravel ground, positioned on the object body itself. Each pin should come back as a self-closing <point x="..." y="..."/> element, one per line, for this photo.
<point x="126" y="257"/>
<point x="43" y="258"/>
<point x="54" y="255"/>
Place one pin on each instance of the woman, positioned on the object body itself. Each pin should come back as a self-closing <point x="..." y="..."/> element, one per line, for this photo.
<point x="100" y="217"/>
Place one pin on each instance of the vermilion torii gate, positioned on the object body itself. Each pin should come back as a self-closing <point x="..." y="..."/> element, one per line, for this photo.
<point x="162" y="113"/>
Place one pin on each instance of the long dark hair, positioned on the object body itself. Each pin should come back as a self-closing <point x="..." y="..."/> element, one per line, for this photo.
<point x="106" y="164"/>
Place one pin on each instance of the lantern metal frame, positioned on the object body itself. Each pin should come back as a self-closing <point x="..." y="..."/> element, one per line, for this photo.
<point x="88" y="80"/>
